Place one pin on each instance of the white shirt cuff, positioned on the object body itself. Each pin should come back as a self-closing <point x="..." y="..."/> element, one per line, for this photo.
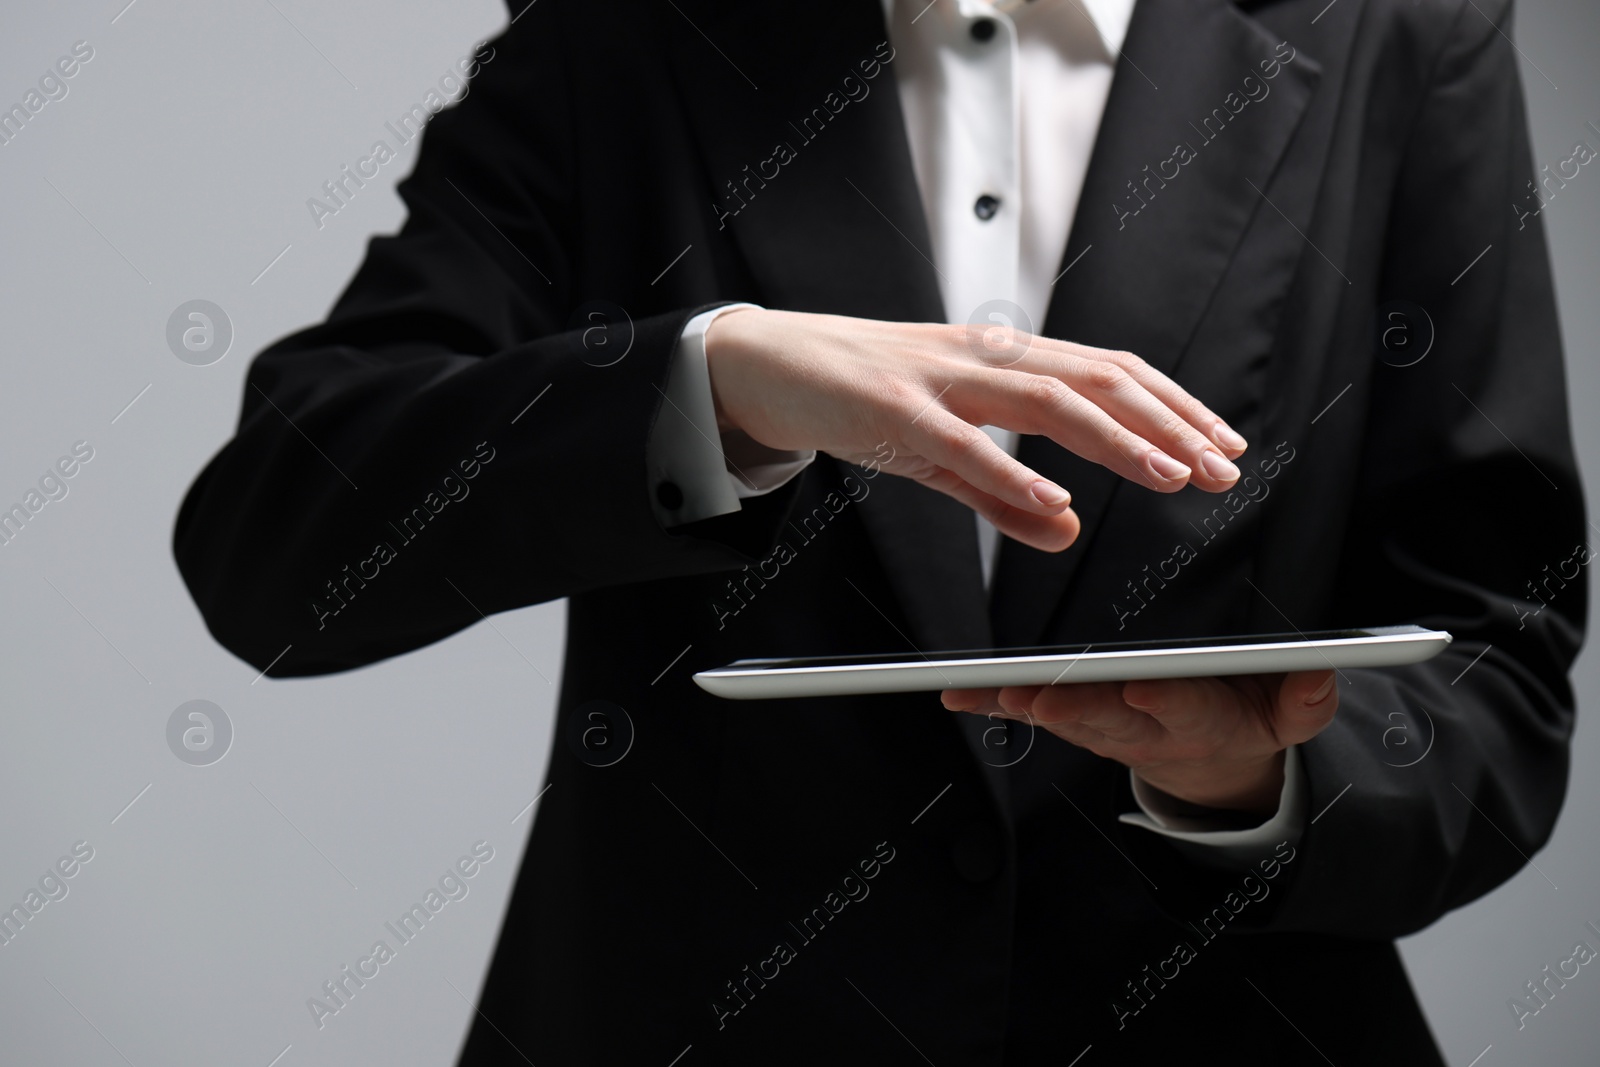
<point x="756" y="470"/>
<point x="695" y="472"/>
<point x="1287" y="824"/>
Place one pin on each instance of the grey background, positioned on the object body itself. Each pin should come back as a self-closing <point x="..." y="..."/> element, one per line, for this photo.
<point x="177" y="168"/>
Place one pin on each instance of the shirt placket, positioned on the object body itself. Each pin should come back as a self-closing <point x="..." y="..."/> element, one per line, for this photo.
<point x="984" y="189"/>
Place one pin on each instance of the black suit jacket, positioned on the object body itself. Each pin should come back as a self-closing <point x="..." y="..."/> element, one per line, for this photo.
<point x="860" y="880"/>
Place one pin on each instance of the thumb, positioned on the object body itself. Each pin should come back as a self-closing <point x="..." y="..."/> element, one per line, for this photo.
<point x="1307" y="701"/>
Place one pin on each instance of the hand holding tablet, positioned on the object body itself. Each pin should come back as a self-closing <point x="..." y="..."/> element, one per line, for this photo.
<point x="1203" y="720"/>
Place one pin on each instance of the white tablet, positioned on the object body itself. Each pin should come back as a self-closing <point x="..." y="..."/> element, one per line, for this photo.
<point x="1195" y="657"/>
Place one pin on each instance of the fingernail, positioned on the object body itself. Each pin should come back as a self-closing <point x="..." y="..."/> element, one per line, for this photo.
<point x="1322" y="691"/>
<point x="1167" y="468"/>
<point x="1227" y="438"/>
<point x="1050" y="494"/>
<point x="1218" y="467"/>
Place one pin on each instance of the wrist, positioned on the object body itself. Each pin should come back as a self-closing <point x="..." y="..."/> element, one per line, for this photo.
<point x="1253" y="788"/>
<point x="720" y="347"/>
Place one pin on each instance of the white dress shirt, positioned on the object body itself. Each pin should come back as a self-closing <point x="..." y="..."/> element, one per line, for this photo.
<point x="1002" y="102"/>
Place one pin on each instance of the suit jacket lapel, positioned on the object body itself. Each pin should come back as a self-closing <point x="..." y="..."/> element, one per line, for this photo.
<point x="1144" y="265"/>
<point x="840" y="229"/>
<point x="827" y="214"/>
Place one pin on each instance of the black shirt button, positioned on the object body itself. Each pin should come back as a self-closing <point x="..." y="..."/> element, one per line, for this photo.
<point x="983" y="29"/>
<point x="669" y="496"/>
<point x="986" y="207"/>
<point x="976" y="852"/>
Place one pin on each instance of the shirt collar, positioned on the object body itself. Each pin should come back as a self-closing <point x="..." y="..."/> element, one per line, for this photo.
<point x="1110" y="17"/>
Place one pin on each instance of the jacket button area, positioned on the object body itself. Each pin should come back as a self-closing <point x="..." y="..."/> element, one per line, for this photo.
<point x="669" y="496"/>
<point x="985" y="207"/>
<point x="976" y="852"/>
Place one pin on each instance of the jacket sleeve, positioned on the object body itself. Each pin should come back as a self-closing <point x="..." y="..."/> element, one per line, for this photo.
<point x="1438" y="782"/>
<point x="450" y="442"/>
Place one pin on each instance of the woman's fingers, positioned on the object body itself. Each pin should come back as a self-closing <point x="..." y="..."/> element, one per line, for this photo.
<point x="1043" y="353"/>
<point x="1047" y="533"/>
<point x="1101" y="412"/>
<point x="956" y="445"/>
<point x="1122" y="396"/>
<point x="1045" y="405"/>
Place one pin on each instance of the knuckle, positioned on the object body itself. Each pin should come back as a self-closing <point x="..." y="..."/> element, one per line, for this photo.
<point x="1177" y="428"/>
<point x="1042" y="391"/>
<point x="902" y="396"/>
<point x="995" y="342"/>
<point x="1105" y="377"/>
<point x="971" y="334"/>
<point x="958" y="436"/>
<point x="1127" y="360"/>
<point x="1125" y="445"/>
<point x="908" y="402"/>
